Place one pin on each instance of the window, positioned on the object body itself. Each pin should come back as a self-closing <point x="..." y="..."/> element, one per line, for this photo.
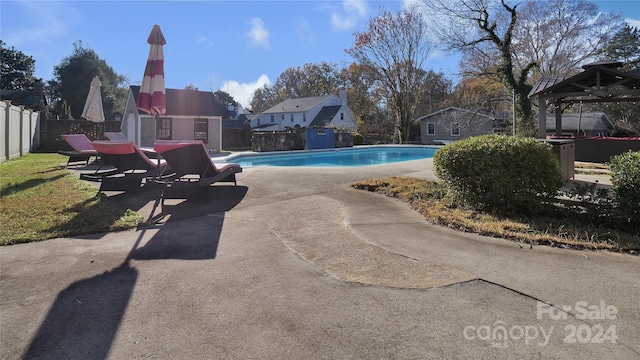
<point x="341" y="116"/>
<point x="304" y="117"/>
<point x="273" y="118"/>
<point x="431" y="128"/>
<point x="163" y="128"/>
<point x="291" y="116"/>
<point x="282" y="117"/>
<point x="201" y="129"/>
<point x="455" y="128"/>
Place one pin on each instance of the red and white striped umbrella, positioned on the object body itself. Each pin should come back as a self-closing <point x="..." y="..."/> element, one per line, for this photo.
<point x="152" y="96"/>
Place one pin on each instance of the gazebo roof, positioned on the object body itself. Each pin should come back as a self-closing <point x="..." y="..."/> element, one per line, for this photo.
<point x="600" y="81"/>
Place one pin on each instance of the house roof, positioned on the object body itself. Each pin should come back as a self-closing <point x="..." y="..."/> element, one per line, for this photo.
<point x="187" y="102"/>
<point x="297" y="105"/>
<point x="29" y="98"/>
<point x="325" y="116"/>
<point x="453" y="108"/>
<point x="584" y="121"/>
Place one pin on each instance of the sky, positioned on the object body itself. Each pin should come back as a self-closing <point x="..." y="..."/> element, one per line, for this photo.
<point x="235" y="46"/>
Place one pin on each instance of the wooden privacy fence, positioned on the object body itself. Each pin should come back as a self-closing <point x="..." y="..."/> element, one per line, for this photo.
<point x="19" y="130"/>
<point x="52" y="131"/>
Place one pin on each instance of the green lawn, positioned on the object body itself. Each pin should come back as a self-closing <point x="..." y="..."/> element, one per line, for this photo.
<point x="41" y="200"/>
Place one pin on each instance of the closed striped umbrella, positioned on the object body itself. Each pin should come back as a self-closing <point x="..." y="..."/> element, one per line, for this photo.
<point x="152" y="96"/>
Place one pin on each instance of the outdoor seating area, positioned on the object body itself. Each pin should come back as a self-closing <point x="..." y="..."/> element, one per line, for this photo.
<point x="192" y="168"/>
<point x="131" y="166"/>
<point x="182" y="169"/>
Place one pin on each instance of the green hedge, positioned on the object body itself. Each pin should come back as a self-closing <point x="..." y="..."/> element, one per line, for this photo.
<point x="499" y="173"/>
<point x="625" y="177"/>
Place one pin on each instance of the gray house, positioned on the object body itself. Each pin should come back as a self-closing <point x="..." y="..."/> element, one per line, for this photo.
<point x="453" y="123"/>
<point x="588" y="124"/>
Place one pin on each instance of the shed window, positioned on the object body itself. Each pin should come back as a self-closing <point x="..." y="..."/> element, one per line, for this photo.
<point x="273" y="118"/>
<point x="201" y="129"/>
<point x="455" y="128"/>
<point x="291" y="116"/>
<point x="431" y="128"/>
<point x="163" y="129"/>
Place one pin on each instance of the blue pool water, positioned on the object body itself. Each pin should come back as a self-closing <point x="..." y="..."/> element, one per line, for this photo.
<point x="359" y="156"/>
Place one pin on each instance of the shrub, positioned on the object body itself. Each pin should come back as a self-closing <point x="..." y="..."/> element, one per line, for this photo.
<point x="625" y="177"/>
<point x="358" y="139"/>
<point x="499" y="173"/>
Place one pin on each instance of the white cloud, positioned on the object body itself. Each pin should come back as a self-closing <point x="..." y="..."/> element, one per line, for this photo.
<point x="633" y="22"/>
<point x="258" y="34"/>
<point x="243" y="93"/>
<point x="353" y="11"/>
<point x="359" y="7"/>
<point x="205" y="40"/>
<point x="339" y="23"/>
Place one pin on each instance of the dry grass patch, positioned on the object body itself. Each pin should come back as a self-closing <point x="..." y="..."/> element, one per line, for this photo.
<point x="559" y="226"/>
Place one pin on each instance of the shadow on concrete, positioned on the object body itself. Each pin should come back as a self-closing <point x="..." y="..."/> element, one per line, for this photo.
<point x="85" y="317"/>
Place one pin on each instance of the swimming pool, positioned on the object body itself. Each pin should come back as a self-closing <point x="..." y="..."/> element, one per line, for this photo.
<point x="356" y="156"/>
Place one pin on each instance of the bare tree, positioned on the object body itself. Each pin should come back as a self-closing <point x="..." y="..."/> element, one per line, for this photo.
<point x="487" y="27"/>
<point x="561" y="35"/>
<point x="395" y="48"/>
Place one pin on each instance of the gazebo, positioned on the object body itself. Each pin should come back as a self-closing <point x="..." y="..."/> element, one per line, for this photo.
<point x="599" y="82"/>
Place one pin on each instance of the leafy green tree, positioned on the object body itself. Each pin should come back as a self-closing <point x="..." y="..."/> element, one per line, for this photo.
<point x="17" y="69"/>
<point x="264" y="98"/>
<point x="624" y="46"/>
<point x="72" y="79"/>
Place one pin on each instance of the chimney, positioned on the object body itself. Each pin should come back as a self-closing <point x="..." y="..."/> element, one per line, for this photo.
<point x="343" y="96"/>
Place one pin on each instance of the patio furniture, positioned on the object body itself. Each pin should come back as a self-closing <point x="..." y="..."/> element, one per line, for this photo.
<point x="116" y="136"/>
<point x="131" y="166"/>
<point x="194" y="171"/>
<point x="82" y="149"/>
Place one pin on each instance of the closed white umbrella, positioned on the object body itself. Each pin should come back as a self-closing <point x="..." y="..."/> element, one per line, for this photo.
<point x="93" y="110"/>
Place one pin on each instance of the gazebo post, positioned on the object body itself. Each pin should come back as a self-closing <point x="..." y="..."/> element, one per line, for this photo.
<point x="542" y="117"/>
<point x="558" y="112"/>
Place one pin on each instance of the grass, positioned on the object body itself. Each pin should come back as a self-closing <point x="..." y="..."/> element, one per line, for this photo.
<point x="41" y="200"/>
<point x="562" y="227"/>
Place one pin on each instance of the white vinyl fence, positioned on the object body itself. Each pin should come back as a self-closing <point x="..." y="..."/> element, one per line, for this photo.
<point x="19" y="130"/>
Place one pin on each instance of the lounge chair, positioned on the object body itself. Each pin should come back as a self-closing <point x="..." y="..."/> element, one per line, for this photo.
<point x="82" y="148"/>
<point x="116" y="136"/>
<point x="131" y="166"/>
<point x="120" y="136"/>
<point x="194" y="171"/>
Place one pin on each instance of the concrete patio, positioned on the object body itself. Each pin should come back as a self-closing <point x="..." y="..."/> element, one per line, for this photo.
<point x="293" y="263"/>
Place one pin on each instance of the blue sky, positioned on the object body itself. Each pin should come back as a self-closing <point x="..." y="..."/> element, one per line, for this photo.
<point x="236" y="46"/>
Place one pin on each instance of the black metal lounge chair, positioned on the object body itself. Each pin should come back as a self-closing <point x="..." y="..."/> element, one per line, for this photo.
<point x="82" y="149"/>
<point x="131" y="166"/>
<point x="194" y="170"/>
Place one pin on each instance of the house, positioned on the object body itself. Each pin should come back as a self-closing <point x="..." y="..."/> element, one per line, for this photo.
<point x="454" y="123"/>
<point x="30" y="99"/>
<point x="328" y="111"/>
<point x="190" y="115"/>
<point x="588" y="124"/>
